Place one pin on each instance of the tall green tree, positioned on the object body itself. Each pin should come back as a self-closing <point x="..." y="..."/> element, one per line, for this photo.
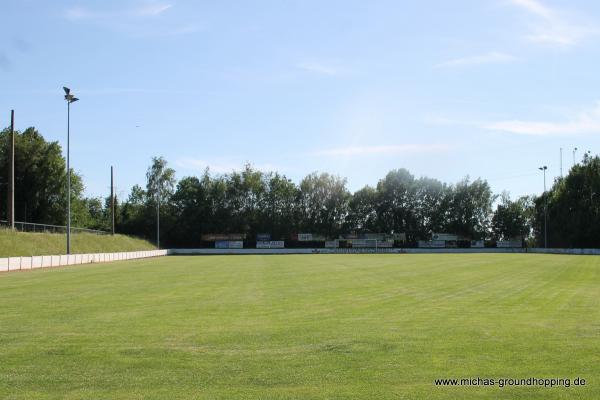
<point x="513" y="219"/>
<point x="430" y="206"/>
<point x="323" y="203"/>
<point x="40" y="181"/>
<point x="191" y="203"/>
<point x="573" y="208"/>
<point x="362" y="211"/>
<point x="245" y="193"/>
<point x="469" y="208"/>
<point x="135" y="214"/>
<point x="396" y="199"/>
<point x="279" y="208"/>
<point x="160" y="180"/>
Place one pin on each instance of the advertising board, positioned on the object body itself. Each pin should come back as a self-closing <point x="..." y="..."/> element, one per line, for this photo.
<point x="270" y="244"/>
<point x="444" y="236"/>
<point x="229" y="244"/>
<point x="363" y="243"/>
<point x="479" y="244"/>
<point x="373" y="236"/>
<point x="432" y="244"/>
<point x="509" y="243"/>
<point x="212" y="237"/>
<point x="401" y="237"/>
<point x="310" y="237"/>
<point x="221" y="244"/>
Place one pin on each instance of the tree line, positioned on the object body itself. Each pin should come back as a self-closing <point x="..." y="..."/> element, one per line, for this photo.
<point x="251" y="201"/>
<point x="41" y="184"/>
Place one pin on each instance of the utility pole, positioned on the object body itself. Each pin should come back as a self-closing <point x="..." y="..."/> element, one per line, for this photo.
<point x="158" y="219"/>
<point x="574" y="151"/>
<point x="11" y="173"/>
<point x="561" y="173"/>
<point x="112" y="200"/>
<point x="543" y="169"/>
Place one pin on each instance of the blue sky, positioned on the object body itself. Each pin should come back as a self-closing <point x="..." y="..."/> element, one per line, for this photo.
<point x="443" y="88"/>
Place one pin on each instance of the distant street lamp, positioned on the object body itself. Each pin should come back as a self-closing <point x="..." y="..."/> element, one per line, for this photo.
<point x="70" y="99"/>
<point x="574" y="151"/>
<point x="158" y="217"/>
<point x="543" y="169"/>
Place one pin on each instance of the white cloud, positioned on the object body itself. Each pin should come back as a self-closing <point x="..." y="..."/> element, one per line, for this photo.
<point x="487" y="58"/>
<point x="390" y="149"/>
<point x="534" y="7"/>
<point x="183" y="30"/>
<point x="141" y="10"/>
<point x="432" y="119"/>
<point x="585" y="122"/>
<point x="110" y="91"/>
<point x="141" y="18"/>
<point x="221" y="166"/>
<point x="153" y="9"/>
<point x="320" y="67"/>
<point x="555" y="27"/>
<point x="78" y="13"/>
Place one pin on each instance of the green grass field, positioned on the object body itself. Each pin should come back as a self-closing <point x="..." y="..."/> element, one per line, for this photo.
<point x="14" y="244"/>
<point x="301" y="327"/>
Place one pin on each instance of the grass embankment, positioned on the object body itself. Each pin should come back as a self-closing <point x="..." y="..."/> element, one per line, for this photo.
<point x="302" y="327"/>
<point x="14" y="244"/>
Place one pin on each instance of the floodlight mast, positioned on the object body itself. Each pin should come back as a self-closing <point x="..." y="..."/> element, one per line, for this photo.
<point x="543" y="169"/>
<point x="561" y="158"/>
<point x="11" y="173"/>
<point x="70" y="99"/>
<point x="158" y="189"/>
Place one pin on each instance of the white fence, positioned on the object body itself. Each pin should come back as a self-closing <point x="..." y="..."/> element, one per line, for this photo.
<point x="34" y="262"/>
<point x="336" y="251"/>
<point x="238" y="251"/>
<point x="590" y="252"/>
<point x="382" y="251"/>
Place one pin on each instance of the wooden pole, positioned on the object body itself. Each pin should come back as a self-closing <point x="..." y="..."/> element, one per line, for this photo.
<point x="11" y="173"/>
<point x="112" y="200"/>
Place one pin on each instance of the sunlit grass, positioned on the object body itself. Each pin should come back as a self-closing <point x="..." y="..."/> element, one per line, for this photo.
<point x="14" y="244"/>
<point x="301" y="327"/>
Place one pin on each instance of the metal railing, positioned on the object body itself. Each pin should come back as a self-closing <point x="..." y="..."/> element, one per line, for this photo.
<point x="47" y="228"/>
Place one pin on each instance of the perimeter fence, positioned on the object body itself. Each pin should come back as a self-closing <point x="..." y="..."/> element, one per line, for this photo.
<point x="47" y="228"/>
